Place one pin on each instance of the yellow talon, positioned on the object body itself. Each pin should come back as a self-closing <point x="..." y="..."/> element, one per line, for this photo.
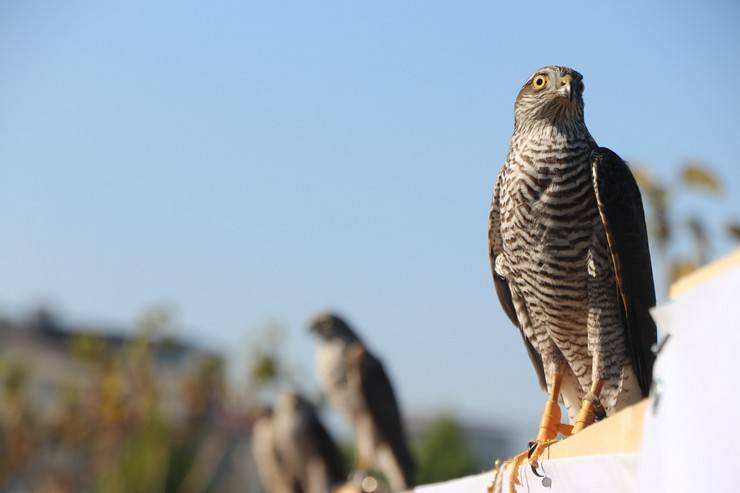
<point x="550" y="427"/>
<point x="586" y="415"/>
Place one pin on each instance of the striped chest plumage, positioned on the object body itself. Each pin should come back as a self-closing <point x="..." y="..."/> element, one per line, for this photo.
<point x="334" y="376"/>
<point x="548" y="217"/>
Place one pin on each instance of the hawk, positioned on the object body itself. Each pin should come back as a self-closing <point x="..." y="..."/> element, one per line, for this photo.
<point x="311" y="461"/>
<point x="356" y="383"/>
<point x="570" y="259"/>
<point x="270" y="467"/>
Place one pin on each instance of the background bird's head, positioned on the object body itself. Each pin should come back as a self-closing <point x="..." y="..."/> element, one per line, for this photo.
<point x="552" y="94"/>
<point x="329" y="326"/>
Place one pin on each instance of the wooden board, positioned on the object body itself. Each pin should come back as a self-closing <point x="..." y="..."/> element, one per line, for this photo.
<point x="618" y="434"/>
<point x="705" y="273"/>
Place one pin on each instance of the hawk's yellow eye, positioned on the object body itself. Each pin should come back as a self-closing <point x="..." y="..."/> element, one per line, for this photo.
<point x="539" y="82"/>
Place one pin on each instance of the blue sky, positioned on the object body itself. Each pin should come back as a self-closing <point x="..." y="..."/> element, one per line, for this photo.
<point x="254" y="162"/>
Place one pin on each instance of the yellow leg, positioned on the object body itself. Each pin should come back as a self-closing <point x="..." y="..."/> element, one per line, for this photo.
<point x="550" y="424"/>
<point x="586" y="414"/>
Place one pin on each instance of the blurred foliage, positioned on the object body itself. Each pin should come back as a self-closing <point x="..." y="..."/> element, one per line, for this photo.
<point x="441" y="451"/>
<point x="684" y="239"/>
<point x="117" y="422"/>
<point x="89" y="348"/>
<point x="267" y="366"/>
<point x="14" y="379"/>
<point x="695" y="175"/>
<point x="265" y="369"/>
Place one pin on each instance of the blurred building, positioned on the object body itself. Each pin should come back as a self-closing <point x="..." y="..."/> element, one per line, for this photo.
<point x="165" y="394"/>
<point x="54" y="356"/>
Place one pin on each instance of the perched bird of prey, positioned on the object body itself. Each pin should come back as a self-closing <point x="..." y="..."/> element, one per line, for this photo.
<point x="358" y="386"/>
<point x="311" y="461"/>
<point x="270" y="466"/>
<point x="570" y="258"/>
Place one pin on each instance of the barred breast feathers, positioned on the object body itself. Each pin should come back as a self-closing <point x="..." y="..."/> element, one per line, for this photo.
<point x="549" y="218"/>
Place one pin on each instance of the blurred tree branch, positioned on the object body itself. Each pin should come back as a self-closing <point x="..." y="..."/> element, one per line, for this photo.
<point x="671" y="229"/>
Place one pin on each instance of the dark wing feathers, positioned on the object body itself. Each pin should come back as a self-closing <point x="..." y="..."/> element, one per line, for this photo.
<point x="502" y="286"/>
<point x="622" y="215"/>
<point x="383" y="407"/>
<point x="328" y="450"/>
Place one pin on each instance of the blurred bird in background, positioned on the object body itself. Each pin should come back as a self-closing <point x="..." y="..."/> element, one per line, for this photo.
<point x="311" y="461"/>
<point x="270" y="467"/>
<point x="570" y="259"/>
<point x="357" y="384"/>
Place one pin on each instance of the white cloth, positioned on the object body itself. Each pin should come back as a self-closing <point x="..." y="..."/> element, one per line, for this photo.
<point x="477" y="483"/>
<point x="691" y="443"/>
<point x="589" y="474"/>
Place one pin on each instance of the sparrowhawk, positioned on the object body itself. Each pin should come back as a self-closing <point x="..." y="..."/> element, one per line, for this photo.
<point x="357" y="384"/>
<point x="570" y="258"/>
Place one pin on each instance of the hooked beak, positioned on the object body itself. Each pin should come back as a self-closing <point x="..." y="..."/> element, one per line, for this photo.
<point x="566" y="83"/>
<point x="315" y="330"/>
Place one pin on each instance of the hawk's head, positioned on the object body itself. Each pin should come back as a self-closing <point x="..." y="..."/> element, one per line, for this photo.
<point x="330" y="326"/>
<point x="553" y="94"/>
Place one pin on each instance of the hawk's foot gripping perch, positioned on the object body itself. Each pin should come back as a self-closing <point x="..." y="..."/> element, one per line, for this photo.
<point x="550" y="426"/>
<point x="591" y="408"/>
